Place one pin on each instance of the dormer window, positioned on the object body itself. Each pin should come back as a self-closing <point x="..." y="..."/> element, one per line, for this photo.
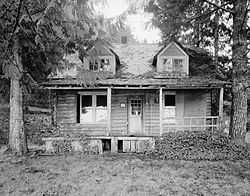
<point x="102" y="64"/>
<point x="172" y="58"/>
<point x="171" y="64"/>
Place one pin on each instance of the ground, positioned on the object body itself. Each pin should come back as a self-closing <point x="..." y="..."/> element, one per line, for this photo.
<point x="120" y="174"/>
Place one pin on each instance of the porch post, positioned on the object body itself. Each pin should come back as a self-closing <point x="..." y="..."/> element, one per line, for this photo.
<point x="109" y="109"/>
<point x="221" y="106"/>
<point x="160" y="105"/>
<point x="53" y="100"/>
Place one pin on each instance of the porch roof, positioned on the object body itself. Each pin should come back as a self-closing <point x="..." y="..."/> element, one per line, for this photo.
<point x="137" y="82"/>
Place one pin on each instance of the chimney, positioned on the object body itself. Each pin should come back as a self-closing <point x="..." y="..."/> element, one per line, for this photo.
<point x="124" y="39"/>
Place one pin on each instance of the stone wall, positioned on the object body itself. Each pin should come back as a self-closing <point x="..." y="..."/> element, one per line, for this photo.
<point x="4" y="123"/>
<point x="36" y="125"/>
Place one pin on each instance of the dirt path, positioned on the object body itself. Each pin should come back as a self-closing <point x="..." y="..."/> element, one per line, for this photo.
<point x="121" y="175"/>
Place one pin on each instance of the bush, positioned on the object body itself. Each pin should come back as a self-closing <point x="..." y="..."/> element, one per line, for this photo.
<point x="198" y="145"/>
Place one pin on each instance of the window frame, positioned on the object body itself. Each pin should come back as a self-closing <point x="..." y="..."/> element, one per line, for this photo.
<point x="94" y="107"/>
<point x="172" y="58"/>
<point x="100" y="64"/>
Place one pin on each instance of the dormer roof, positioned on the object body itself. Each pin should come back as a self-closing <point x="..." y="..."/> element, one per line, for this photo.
<point x="165" y="47"/>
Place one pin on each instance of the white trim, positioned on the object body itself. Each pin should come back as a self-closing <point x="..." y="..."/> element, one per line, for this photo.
<point x="103" y="47"/>
<point x="93" y="107"/>
<point x="161" y="109"/>
<point x="93" y="92"/>
<point x="166" y="47"/>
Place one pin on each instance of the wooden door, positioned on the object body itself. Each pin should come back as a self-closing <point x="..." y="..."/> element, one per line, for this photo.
<point x="135" y="116"/>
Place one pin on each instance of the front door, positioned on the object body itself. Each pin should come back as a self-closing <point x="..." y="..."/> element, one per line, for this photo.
<point x="135" y="116"/>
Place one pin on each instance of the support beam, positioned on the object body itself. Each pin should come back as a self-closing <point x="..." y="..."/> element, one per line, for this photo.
<point x="221" y="105"/>
<point x="53" y="99"/>
<point x="161" y="107"/>
<point x="109" y="109"/>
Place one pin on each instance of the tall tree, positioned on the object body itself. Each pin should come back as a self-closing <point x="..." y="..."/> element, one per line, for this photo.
<point x="33" y="37"/>
<point x="240" y="74"/>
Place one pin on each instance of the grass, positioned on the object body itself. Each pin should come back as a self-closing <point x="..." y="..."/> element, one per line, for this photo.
<point x="120" y="174"/>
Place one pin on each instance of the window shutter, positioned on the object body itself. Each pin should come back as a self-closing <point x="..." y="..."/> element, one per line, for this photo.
<point x="78" y="108"/>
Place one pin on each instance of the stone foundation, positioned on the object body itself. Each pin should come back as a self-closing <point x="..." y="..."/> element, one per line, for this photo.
<point x="99" y="145"/>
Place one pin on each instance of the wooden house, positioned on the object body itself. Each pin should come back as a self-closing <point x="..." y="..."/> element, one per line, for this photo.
<point x="148" y="92"/>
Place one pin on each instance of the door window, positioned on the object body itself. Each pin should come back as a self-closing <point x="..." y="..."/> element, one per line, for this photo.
<point x="136" y="107"/>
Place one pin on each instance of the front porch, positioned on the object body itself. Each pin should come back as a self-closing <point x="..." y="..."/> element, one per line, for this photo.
<point x="136" y="112"/>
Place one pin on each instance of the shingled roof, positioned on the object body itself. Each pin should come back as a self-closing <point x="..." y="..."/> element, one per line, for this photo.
<point x="136" y="70"/>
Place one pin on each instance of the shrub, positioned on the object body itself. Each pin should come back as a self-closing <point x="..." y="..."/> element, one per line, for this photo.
<point x="198" y="145"/>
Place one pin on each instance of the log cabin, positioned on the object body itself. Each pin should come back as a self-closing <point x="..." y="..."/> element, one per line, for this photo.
<point x="133" y="92"/>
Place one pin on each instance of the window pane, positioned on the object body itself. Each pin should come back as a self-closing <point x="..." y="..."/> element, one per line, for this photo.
<point x="87" y="115"/>
<point x="178" y="64"/>
<point x="93" y="65"/>
<point x="101" y="114"/>
<point x="101" y="100"/>
<point x="86" y="101"/>
<point x="169" y="100"/>
<point x="167" y="64"/>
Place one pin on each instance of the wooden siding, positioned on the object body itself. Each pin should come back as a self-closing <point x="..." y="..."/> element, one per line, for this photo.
<point x="66" y="107"/>
<point x="188" y="104"/>
<point x="119" y="117"/>
<point x="172" y="50"/>
<point x="151" y="116"/>
<point x="208" y="104"/>
<point x="195" y="103"/>
<point x="85" y="129"/>
<point x="66" y="117"/>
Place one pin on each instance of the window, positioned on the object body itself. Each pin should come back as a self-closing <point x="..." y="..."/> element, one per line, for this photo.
<point x="169" y="100"/>
<point x="136" y="107"/>
<point x="101" y="64"/>
<point x="167" y="64"/>
<point x="93" y="108"/>
<point x="169" y="110"/>
<point x="104" y="64"/>
<point x="178" y="65"/>
<point x="172" y="64"/>
<point x="93" y="65"/>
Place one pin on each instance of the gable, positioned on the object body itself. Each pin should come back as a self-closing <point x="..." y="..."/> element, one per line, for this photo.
<point x="100" y="51"/>
<point x="173" y="50"/>
<point x="172" y="58"/>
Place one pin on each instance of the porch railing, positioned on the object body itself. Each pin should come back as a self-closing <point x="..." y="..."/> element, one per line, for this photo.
<point x="191" y="123"/>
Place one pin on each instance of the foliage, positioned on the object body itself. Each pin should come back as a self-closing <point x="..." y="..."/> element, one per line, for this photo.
<point x="191" y="21"/>
<point x="194" y="23"/>
<point x="43" y="30"/>
<point x="198" y="145"/>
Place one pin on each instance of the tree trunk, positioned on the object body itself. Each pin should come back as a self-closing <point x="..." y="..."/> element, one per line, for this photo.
<point x="216" y="38"/>
<point x="239" y="62"/>
<point x="17" y="137"/>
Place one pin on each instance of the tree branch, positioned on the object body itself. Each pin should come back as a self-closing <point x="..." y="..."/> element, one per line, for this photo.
<point x="207" y="13"/>
<point x="17" y="19"/>
<point x="219" y="7"/>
